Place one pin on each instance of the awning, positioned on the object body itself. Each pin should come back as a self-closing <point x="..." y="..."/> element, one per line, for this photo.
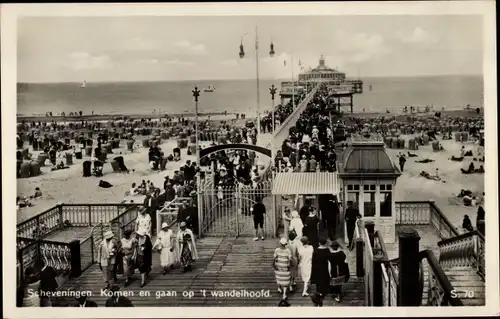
<point x="305" y="183"/>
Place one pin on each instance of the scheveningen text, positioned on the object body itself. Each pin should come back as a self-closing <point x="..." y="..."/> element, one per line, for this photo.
<point x="60" y="293"/>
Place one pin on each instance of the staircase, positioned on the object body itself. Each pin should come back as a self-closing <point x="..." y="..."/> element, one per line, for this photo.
<point x="469" y="286"/>
<point x="462" y="259"/>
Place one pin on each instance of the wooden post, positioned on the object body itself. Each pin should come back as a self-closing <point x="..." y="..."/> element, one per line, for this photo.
<point x="76" y="265"/>
<point x="378" y="300"/>
<point x="409" y="264"/>
<point x="360" y="265"/>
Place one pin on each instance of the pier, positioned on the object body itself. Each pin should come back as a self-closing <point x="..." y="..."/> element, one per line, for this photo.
<point x="417" y="242"/>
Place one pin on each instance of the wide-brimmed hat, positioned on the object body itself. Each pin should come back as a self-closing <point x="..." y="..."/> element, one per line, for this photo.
<point x="283" y="241"/>
<point x="109" y="234"/>
<point x="164" y="225"/>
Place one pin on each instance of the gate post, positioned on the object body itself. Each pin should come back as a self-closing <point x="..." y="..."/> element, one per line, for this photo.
<point x="409" y="265"/>
<point x="238" y="198"/>
<point x="198" y="202"/>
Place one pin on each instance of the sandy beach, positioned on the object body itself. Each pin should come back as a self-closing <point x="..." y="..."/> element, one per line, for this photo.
<point x="413" y="187"/>
<point x="68" y="185"/>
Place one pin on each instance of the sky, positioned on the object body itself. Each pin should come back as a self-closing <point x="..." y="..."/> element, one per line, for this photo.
<point x="102" y="49"/>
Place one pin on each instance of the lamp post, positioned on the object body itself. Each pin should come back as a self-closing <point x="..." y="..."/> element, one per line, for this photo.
<point x="272" y="90"/>
<point x="242" y="55"/>
<point x="196" y="94"/>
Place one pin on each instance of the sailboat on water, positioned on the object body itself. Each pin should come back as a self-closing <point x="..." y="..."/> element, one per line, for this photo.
<point x="83" y="84"/>
<point x="210" y="88"/>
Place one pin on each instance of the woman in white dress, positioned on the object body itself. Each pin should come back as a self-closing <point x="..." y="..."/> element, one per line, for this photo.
<point x="296" y="224"/>
<point x="143" y="223"/>
<point x="165" y="244"/>
<point x="305" y="263"/>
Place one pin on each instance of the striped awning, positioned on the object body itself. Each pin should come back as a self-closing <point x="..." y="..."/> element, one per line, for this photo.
<point x="305" y="183"/>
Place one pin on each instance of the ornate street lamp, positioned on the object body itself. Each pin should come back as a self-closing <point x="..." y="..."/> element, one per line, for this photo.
<point x="196" y="94"/>
<point x="271" y="52"/>
<point x="272" y="90"/>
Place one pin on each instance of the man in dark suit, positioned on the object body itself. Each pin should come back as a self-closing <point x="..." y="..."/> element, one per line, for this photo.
<point x="330" y="216"/>
<point x="48" y="284"/>
<point x="117" y="299"/>
<point x="304" y="211"/>
<point x="351" y="216"/>
<point x="183" y="212"/>
<point x="84" y="302"/>
<point x="189" y="171"/>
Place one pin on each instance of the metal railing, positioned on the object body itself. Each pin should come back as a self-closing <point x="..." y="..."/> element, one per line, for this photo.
<point x="68" y="215"/>
<point x="227" y="210"/>
<point x="77" y="255"/>
<point x="169" y="213"/>
<point x="57" y="255"/>
<point x="439" y="286"/>
<point x="464" y="250"/>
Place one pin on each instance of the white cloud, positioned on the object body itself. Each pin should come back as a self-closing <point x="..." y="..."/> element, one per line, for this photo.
<point x="418" y="36"/>
<point x="186" y="47"/>
<point x="148" y="61"/>
<point x="86" y="61"/>
<point x="360" y="47"/>
<point x="181" y="63"/>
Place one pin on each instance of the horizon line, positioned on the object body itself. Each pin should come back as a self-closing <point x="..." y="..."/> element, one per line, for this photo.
<point x="246" y="79"/>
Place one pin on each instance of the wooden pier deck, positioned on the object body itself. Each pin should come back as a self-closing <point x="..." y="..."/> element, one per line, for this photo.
<point x="69" y="234"/>
<point x="225" y="264"/>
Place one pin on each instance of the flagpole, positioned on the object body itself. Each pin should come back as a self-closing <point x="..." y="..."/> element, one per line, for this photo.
<point x="293" y="88"/>
<point x="258" y="80"/>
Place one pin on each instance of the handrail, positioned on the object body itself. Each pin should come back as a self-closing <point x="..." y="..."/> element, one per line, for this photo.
<point x="278" y="132"/>
<point x="388" y="262"/>
<point x="441" y="278"/>
<point x="444" y="218"/>
<point x="464" y="250"/>
<point x="458" y="237"/>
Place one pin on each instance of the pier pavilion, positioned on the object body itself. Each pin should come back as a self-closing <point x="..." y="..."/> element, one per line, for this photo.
<point x="369" y="181"/>
<point x="342" y="90"/>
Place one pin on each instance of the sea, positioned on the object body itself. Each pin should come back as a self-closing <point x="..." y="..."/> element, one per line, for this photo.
<point x="236" y="96"/>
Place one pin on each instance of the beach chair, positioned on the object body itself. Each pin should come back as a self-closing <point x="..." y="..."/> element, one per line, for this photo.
<point x="87" y="165"/>
<point x="115" y="166"/>
<point x="98" y="166"/>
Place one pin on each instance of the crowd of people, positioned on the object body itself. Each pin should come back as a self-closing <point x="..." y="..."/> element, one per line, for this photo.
<point x="309" y="251"/>
<point x="311" y="142"/>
